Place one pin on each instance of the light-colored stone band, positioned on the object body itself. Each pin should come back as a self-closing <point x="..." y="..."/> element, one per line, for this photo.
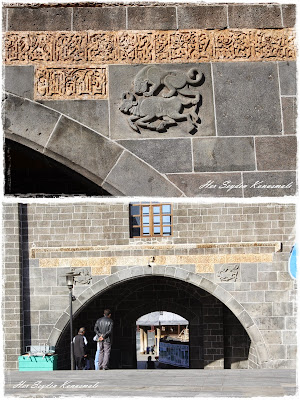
<point x="146" y="47"/>
<point x="35" y="252"/>
<point x="203" y="263"/>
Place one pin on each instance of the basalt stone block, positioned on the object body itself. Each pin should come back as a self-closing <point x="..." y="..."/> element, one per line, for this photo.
<point x="39" y="19"/>
<point x="248" y="272"/>
<point x="29" y="120"/>
<point x="247" y="99"/>
<point x="19" y="80"/>
<point x="124" y="79"/>
<point x="91" y="113"/>
<point x="202" y="17"/>
<point x="4" y="19"/>
<point x="166" y="155"/>
<point x="276" y="153"/>
<point x="245" y="319"/>
<point x="264" y="184"/>
<point x="102" y="153"/>
<point x="162" y="18"/>
<point x="289" y="114"/>
<point x="223" y="154"/>
<point x="99" y="286"/>
<point x="289" y="15"/>
<point x="235" y="306"/>
<point x="59" y="302"/>
<point x="209" y="185"/>
<point x="49" y="317"/>
<point x="99" y="18"/>
<point x="258" y="309"/>
<point x="288" y="81"/>
<point x="181" y="274"/>
<point x="86" y="295"/>
<point x="44" y="331"/>
<point x="130" y="176"/>
<point x="254" y="16"/>
<point x="39" y="303"/>
<point x="61" y="323"/>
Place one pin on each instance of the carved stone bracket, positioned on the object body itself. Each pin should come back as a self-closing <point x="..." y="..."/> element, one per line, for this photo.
<point x="147" y="47"/>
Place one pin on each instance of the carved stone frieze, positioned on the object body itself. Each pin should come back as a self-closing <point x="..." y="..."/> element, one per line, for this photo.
<point x="70" y="83"/>
<point x="146" y="47"/>
<point x="160" y="98"/>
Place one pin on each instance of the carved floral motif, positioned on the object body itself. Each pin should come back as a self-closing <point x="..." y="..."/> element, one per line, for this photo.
<point x="144" y="47"/>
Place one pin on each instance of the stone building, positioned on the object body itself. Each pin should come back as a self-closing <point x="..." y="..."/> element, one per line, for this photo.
<point x="169" y="100"/>
<point x="221" y="266"/>
<point x="166" y="99"/>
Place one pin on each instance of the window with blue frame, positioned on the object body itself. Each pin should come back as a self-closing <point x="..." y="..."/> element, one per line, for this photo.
<point x="150" y="220"/>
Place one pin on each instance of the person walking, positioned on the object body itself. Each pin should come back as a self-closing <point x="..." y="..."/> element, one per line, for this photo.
<point x="80" y="353"/>
<point x="103" y="329"/>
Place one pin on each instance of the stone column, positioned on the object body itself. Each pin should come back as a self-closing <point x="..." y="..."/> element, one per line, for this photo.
<point x="142" y="349"/>
<point x="158" y="339"/>
<point x="145" y="341"/>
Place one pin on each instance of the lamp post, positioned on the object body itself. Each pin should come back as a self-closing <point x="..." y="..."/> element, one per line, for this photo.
<point x="70" y="283"/>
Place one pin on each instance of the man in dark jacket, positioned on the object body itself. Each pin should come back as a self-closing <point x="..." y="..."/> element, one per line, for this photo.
<point x="80" y="355"/>
<point x="103" y="330"/>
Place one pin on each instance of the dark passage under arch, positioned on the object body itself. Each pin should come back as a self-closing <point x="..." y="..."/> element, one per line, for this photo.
<point x="217" y="338"/>
<point x="30" y="172"/>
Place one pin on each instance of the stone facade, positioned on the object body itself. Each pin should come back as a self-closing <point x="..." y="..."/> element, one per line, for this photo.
<point x="167" y="100"/>
<point x="240" y="292"/>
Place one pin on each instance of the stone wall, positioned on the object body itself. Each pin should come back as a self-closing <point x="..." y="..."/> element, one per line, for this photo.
<point x="235" y="119"/>
<point x="237" y="252"/>
<point x="12" y="308"/>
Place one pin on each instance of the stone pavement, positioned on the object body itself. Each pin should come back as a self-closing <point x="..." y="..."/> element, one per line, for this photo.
<point x="152" y="383"/>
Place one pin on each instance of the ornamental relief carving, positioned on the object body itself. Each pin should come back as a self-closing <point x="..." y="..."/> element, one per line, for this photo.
<point x="146" y="47"/>
<point x="161" y="98"/>
<point x="228" y="272"/>
<point x="70" y="83"/>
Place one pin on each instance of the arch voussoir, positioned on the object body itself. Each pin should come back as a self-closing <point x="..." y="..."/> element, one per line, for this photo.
<point x="175" y="272"/>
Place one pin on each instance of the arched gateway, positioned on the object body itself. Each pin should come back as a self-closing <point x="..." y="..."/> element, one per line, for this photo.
<point x="212" y="311"/>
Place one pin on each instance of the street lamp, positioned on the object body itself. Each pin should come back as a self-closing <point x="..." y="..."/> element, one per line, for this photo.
<point x="70" y="283"/>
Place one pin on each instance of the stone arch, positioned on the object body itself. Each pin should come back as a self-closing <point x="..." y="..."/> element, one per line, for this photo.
<point x="175" y="272"/>
<point x="109" y="164"/>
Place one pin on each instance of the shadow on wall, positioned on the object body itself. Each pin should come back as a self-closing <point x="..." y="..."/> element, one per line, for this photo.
<point x="217" y="339"/>
<point x="25" y="279"/>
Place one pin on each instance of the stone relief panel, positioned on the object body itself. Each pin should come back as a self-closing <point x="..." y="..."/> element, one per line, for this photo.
<point x="84" y="278"/>
<point x="131" y="47"/>
<point x="228" y="272"/>
<point x="160" y="101"/>
<point x="70" y="83"/>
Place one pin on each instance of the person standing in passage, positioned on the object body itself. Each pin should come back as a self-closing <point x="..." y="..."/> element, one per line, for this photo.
<point x="80" y="352"/>
<point x="150" y="364"/>
<point x="103" y="330"/>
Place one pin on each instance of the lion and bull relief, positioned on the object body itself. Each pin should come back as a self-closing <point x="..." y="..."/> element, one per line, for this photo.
<point x="160" y="99"/>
